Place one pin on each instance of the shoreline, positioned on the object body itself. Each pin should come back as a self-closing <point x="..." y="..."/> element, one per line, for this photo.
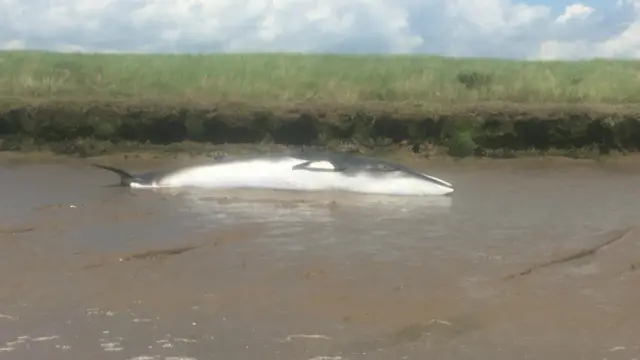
<point x="191" y="154"/>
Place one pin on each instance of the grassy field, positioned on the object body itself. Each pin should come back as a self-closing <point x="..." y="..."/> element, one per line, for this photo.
<point x="279" y="79"/>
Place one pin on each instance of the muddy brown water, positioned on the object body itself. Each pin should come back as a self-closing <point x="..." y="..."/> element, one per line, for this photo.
<point x="529" y="260"/>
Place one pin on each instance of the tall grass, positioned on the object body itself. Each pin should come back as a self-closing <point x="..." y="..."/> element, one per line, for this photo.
<point x="278" y="79"/>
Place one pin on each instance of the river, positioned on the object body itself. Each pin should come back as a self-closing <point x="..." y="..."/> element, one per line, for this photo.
<point x="527" y="260"/>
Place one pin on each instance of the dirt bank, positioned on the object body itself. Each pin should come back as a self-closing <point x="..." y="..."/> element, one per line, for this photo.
<point x="493" y="130"/>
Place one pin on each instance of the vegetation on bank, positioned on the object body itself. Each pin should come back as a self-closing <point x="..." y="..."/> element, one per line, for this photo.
<point x="87" y="128"/>
<point x="283" y="79"/>
<point x="93" y="103"/>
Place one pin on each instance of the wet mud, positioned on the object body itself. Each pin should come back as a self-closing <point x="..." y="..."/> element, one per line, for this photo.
<point x="576" y="255"/>
<point x="525" y="261"/>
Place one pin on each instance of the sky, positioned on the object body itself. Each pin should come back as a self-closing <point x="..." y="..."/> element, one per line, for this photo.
<point x="521" y="29"/>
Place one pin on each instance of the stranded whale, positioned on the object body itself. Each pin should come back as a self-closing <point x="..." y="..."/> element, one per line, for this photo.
<point x="306" y="171"/>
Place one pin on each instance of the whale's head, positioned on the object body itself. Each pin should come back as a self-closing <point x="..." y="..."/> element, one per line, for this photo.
<point x="404" y="182"/>
<point x="368" y="175"/>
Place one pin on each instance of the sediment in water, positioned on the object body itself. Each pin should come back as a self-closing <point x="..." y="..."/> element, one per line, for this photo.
<point x="496" y="130"/>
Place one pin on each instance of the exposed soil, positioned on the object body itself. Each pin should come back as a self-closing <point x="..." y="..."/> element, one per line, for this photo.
<point x="89" y="128"/>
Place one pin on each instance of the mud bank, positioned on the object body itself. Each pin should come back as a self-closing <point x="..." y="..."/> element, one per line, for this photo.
<point x="498" y="130"/>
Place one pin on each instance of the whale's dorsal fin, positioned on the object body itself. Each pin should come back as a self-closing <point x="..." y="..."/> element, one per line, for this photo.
<point x="332" y="166"/>
<point x="125" y="177"/>
<point x="321" y="165"/>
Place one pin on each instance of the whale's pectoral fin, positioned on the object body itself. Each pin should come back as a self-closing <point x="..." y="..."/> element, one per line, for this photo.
<point x="322" y="165"/>
<point x="125" y="177"/>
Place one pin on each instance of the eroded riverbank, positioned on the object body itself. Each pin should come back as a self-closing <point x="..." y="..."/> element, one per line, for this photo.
<point x="496" y="130"/>
<point x="261" y="275"/>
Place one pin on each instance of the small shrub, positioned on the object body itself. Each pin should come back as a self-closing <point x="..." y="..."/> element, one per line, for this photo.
<point x="474" y="79"/>
<point x="461" y="144"/>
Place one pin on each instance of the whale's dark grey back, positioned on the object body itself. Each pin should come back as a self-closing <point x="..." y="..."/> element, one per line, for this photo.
<point x="343" y="162"/>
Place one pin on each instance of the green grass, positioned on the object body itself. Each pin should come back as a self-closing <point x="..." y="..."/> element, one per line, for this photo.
<point x="280" y="79"/>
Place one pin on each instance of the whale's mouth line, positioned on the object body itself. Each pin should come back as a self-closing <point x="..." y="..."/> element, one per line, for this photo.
<point x="438" y="181"/>
<point x="422" y="176"/>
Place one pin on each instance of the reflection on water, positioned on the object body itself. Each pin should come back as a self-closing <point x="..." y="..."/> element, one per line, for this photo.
<point x="298" y="221"/>
<point x="293" y="206"/>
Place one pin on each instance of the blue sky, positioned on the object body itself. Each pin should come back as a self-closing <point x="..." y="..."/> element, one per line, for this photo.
<point x="559" y="5"/>
<point x="531" y="29"/>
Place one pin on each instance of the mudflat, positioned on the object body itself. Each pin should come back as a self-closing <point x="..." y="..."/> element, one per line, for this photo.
<point x="531" y="259"/>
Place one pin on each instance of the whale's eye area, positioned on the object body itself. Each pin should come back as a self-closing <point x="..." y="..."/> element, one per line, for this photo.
<point x="316" y="166"/>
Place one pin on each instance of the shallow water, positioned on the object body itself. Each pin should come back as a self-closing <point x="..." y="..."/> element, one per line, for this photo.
<point x="94" y="271"/>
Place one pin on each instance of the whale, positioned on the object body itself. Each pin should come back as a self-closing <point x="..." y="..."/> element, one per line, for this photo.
<point x="302" y="170"/>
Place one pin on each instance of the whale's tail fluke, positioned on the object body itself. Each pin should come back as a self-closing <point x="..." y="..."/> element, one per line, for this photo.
<point x="125" y="177"/>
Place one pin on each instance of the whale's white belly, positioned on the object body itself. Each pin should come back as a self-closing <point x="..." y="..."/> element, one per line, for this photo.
<point x="278" y="174"/>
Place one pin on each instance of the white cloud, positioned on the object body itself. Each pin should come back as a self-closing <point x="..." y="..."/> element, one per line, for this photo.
<point x="575" y="11"/>
<point x="497" y="28"/>
<point x="623" y="43"/>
